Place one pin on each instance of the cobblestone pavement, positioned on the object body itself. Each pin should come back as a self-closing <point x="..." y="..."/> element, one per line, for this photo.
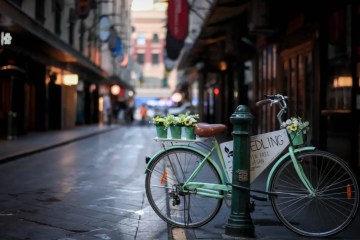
<point x="89" y="189"/>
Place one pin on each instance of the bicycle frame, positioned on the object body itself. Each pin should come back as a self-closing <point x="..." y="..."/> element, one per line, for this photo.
<point x="211" y="190"/>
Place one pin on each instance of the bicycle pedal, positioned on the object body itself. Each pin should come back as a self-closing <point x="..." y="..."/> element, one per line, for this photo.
<point x="258" y="198"/>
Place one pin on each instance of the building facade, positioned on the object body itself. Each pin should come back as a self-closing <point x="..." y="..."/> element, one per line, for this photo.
<point x="51" y="65"/>
<point x="308" y="52"/>
<point x="148" y="41"/>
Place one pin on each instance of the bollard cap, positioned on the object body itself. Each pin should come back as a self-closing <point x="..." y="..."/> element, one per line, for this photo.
<point x="241" y="114"/>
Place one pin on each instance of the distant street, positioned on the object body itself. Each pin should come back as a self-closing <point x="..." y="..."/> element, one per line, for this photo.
<point x="89" y="189"/>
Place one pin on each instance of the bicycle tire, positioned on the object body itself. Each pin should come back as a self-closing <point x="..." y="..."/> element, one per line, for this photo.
<point x="344" y="166"/>
<point x="154" y="205"/>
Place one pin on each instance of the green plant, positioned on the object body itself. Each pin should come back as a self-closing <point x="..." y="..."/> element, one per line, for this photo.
<point x="158" y="121"/>
<point x="171" y="120"/>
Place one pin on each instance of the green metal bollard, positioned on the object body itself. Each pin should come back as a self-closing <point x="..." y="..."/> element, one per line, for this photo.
<point x="240" y="223"/>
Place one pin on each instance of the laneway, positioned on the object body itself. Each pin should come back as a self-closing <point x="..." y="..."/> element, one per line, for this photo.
<point x="90" y="189"/>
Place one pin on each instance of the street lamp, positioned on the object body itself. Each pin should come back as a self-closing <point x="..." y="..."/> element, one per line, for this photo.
<point x="176" y="97"/>
<point x="115" y="89"/>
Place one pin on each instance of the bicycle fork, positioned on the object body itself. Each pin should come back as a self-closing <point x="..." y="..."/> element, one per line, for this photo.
<point x="299" y="170"/>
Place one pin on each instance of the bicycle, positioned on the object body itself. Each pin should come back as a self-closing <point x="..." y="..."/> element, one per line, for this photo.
<point x="186" y="187"/>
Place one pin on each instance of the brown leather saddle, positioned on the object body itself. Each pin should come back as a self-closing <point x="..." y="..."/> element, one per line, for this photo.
<point x="209" y="130"/>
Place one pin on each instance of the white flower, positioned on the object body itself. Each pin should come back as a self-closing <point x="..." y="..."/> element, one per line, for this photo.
<point x="306" y="123"/>
<point x="288" y="122"/>
<point x="296" y="123"/>
<point x="283" y="125"/>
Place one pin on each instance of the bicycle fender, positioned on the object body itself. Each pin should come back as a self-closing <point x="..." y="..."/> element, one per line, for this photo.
<point x="218" y="169"/>
<point x="280" y="161"/>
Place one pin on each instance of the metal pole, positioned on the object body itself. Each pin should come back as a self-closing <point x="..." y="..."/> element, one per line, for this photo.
<point x="240" y="223"/>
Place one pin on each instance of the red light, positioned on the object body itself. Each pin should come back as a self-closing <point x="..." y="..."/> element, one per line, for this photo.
<point x="11" y="61"/>
<point x="216" y="91"/>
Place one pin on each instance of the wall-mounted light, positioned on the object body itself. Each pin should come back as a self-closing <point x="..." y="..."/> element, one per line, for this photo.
<point x="345" y="81"/>
<point x="71" y="79"/>
<point x="176" y="97"/>
<point x="101" y="104"/>
<point x="115" y="89"/>
<point x="222" y="65"/>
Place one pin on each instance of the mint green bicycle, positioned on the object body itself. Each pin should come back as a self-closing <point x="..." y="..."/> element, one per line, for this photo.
<point x="313" y="193"/>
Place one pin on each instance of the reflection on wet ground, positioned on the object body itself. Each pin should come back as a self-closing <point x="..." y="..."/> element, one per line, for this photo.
<point x="90" y="189"/>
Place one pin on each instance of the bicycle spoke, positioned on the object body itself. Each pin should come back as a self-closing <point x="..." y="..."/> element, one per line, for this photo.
<point x="326" y="212"/>
<point x="180" y="165"/>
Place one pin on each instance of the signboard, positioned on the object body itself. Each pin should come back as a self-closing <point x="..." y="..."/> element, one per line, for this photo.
<point x="83" y="8"/>
<point x="264" y="149"/>
<point x="5" y="38"/>
<point x="104" y="29"/>
<point x="113" y="39"/>
<point x="178" y="18"/>
<point x="118" y="48"/>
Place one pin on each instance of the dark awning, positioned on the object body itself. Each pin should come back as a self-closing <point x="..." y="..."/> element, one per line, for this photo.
<point x="117" y="80"/>
<point x="30" y="34"/>
<point x="214" y="29"/>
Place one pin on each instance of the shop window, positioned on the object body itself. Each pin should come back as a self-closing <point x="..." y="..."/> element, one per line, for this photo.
<point x="155" y="59"/>
<point x="141" y="39"/>
<point x="155" y="38"/>
<point x="40" y="10"/>
<point x="140" y="58"/>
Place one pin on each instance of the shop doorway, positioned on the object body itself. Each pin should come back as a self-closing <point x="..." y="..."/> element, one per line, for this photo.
<point x="298" y="82"/>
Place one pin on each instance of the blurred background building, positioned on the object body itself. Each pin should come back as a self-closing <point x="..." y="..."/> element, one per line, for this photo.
<point x="306" y="50"/>
<point x="52" y="62"/>
<point x="154" y="87"/>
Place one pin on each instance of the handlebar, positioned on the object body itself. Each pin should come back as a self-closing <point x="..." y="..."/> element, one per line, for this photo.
<point x="275" y="99"/>
<point x="263" y="102"/>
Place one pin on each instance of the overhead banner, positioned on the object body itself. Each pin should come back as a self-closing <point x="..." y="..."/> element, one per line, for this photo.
<point x="169" y="64"/>
<point x="264" y="149"/>
<point x="178" y="18"/>
<point x="113" y="39"/>
<point x="173" y="46"/>
<point x="83" y="8"/>
<point x="118" y="48"/>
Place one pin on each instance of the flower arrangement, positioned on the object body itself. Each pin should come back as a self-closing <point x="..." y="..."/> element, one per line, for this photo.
<point x="190" y="120"/>
<point x="171" y="121"/>
<point x="296" y="125"/>
<point x="158" y="121"/>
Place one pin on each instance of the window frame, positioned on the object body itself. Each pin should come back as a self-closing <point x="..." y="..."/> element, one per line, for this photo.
<point x="152" y="58"/>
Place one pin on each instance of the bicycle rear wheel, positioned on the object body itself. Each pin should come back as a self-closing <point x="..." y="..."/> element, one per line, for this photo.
<point x="336" y="201"/>
<point x="169" y="171"/>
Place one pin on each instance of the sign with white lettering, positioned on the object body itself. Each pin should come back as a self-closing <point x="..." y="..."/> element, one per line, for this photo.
<point x="5" y="38"/>
<point x="264" y="149"/>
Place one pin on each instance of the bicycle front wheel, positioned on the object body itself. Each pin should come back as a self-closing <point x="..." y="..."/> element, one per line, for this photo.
<point x="334" y="204"/>
<point x="167" y="173"/>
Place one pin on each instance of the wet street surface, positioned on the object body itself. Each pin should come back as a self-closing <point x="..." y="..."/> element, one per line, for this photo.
<point x="89" y="189"/>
